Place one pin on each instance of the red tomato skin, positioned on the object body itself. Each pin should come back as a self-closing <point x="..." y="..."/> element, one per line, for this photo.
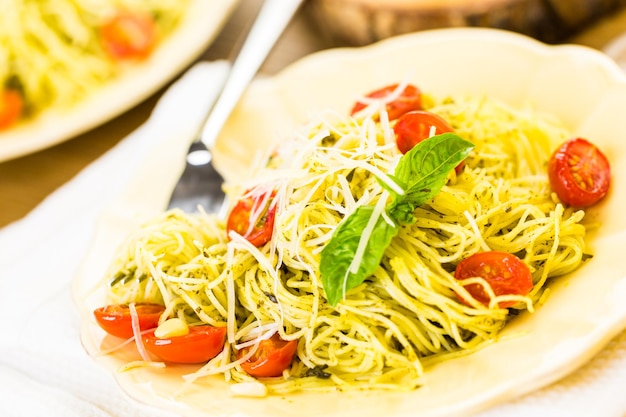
<point x="116" y="319"/>
<point x="11" y="107"/>
<point x="272" y="357"/>
<point x="410" y="99"/>
<point x="580" y="174"/>
<point x="129" y="36"/>
<point x="201" y="344"/>
<point x="414" y="127"/>
<point x="504" y="272"/>
<point x="239" y="220"/>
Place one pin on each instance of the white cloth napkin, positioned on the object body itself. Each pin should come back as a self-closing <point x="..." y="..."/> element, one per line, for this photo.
<point x="44" y="371"/>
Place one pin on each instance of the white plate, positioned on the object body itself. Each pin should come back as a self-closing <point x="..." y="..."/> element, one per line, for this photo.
<point x="196" y="31"/>
<point x="582" y="87"/>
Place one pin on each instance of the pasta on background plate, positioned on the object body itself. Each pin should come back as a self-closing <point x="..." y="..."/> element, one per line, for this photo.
<point x="54" y="53"/>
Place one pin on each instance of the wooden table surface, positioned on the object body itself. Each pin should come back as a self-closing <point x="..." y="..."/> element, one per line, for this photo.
<point x="26" y="181"/>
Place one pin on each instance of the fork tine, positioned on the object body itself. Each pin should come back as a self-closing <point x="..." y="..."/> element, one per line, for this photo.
<point x="200" y="183"/>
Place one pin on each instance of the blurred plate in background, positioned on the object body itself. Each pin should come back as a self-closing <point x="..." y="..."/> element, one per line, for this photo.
<point x="200" y="26"/>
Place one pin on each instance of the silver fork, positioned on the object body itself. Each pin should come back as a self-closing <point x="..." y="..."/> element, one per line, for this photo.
<point x="200" y="183"/>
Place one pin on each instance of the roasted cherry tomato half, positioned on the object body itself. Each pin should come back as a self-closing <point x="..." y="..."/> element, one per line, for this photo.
<point x="579" y="173"/>
<point x="271" y="358"/>
<point x="11" y="105"/>
<point x="504" y="272"/>
<point x="129" y="35"/>
<point x="116" y="319"/>
<point x="410" y="99"/>
<point x="201" y="344"/>
<point x="415" y="126"/>
<point x="253" y="217"/>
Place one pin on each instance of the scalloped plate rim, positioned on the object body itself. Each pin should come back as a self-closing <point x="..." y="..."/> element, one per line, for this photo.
<point x="611" y="325"/>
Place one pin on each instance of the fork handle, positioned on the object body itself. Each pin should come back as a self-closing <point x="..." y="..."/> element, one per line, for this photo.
<point x="268" y="26"/>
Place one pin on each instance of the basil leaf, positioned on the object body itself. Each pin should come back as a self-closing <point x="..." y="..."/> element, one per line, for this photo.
<point x="423" y="171"/>
<point x="338" y="254"/>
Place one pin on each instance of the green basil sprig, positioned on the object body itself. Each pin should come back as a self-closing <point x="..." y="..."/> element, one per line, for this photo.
<point x="421" y="173"/>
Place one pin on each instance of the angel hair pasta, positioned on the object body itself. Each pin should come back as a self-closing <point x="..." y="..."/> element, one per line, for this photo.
<point x="382" y="332"/>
